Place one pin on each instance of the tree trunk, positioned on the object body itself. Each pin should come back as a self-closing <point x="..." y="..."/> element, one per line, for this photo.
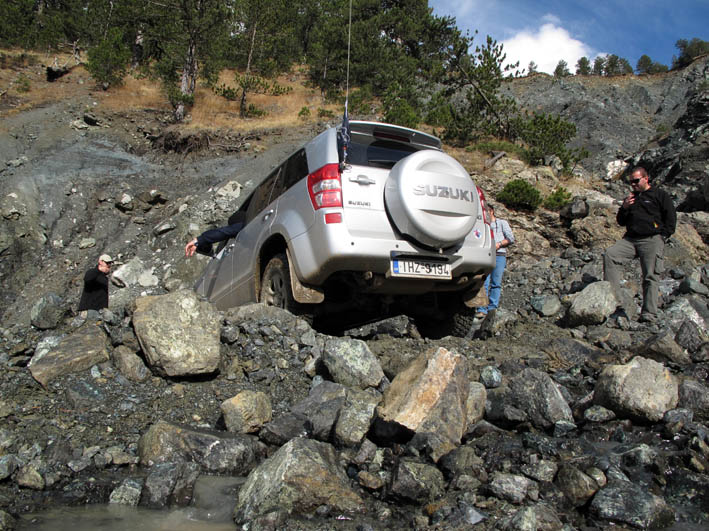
<point x="242" y="104"/>
<point x="188" y="80"/>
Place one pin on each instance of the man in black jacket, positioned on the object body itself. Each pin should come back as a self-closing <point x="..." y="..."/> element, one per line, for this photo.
<point x="95" y="294"/>
<point x="649" y="218"/>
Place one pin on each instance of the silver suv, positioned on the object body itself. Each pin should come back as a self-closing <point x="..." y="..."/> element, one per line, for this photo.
<point x="372" y="223"/>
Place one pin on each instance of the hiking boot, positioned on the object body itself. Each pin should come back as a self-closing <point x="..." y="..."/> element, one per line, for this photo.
<point x="647" y="318"/>
<point x="480" y="315"/>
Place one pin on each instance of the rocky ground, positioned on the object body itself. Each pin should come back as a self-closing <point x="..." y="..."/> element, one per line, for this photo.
<point x="571" y="416"/>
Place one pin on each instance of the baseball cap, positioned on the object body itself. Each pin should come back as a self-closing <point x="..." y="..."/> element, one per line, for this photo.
<point x="105" y="258"/>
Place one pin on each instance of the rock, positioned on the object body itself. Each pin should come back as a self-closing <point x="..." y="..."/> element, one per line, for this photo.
<point x="642" y="389"/>
<point x="301" y="476"/>
<point x="246" y="412"/>
<point x="690" y="285"/>
<point x="284" y="428"/>
<point x="417" y="482"/>
<point x="29" y="477"/>
<point x="531" y="395"/>
<point x="47" y="312"/>
<point x="178" y="333"/>
<point x="130" y="273"/>
<point x="7" y="521"/>
<point x="546" y="305"/>
<point x="576" y="486"/>
<point x="662" y="348"/>
<point x="77" y="352"/>
<point x="592" y="305"/>
<point x="577" y="209"/>
<point x="598" y="414"/>
<point x="690" y="336"/>
<point x="169" y="482"/>
<point x="351" y="363"/>
<point x="130" y="364"/>
<point x="475" y="404"/>
<point x="8" y="465"/>
<point x="628" y="503"/>
<point x="491" y="377"/>
<point x="694" y="396"/>
<point x="430" y="395"/>
<point x="356" y="417"/>
<point x="214" y="451"/>
<point x="322" y="408"/>
<point x="541" y="470"/>
<point x="513" y="488"/>
<point x="128" y="492"/>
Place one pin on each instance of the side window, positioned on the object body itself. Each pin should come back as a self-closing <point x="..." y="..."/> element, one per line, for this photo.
<point x="262" y="196"/>
<point x="296" y="169"/>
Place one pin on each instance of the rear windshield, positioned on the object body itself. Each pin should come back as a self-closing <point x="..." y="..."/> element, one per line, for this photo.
<point x="380" y="153"/>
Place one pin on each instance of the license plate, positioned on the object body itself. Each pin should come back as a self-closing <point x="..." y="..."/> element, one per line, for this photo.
<point x="420" y="269"/>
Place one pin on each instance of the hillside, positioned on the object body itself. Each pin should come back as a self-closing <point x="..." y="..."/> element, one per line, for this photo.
<point x="549" y="433"/>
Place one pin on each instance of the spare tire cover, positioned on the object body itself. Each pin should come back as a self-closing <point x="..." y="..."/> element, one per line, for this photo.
<point x="431" y="198"/>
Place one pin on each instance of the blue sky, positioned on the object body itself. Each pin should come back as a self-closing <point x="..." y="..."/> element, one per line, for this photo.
<point x="545" y="31"/>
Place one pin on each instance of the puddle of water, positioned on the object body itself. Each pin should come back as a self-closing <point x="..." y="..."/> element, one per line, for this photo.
<point x="213" y="502"/>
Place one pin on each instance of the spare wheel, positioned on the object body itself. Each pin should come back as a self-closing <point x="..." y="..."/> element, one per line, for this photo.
<point x="431" y="198"/>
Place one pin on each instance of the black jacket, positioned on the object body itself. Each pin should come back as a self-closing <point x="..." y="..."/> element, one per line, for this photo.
<point x="652" y="213"/>
<point x="95" y="294"/>
<point x="207" y="238"/>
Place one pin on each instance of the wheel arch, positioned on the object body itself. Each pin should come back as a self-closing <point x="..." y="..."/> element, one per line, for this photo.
<point x="277" y="244"/>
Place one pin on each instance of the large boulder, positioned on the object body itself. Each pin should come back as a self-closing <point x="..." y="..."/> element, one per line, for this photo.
<point x="179" y="334"/>
<point x="301" y="476"/>
<point x="73" y="353"/>
<point x="592" y="305"/>
<point x="351" y="363"/>
<point x="642" y="389"/>
<point x="47" y="312"/>
<point x="215" y="451"/>
<point x="430" y="395"/>
<point x="627" y="503"/>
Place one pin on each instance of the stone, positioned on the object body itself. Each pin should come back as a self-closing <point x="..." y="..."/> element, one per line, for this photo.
<point x="322" y="408"/>
<point x="628" y="503"/>
<point x="29" y="477"/>
<point x="690" y="336"/>
<point x="417" y="482"/>
<point x="642" y="389"/>
<point x="284" y="428"/>
<point x="351" y="363"/>
<point x="475" y="404"/>
<point x="47" y="312"/>
<point x="356" y="417"/>
<point x="128" y="492"/>
<point x="513" y="488"/>
<point x="491" y="377"/>
<point x="541" y="470"/>
<point x="598" y="414"/>
<point x="576" y="486"/>
<point x="77" y="352"/>
<point x="430" y="395"/>
<point x="299" y="477"/>
<point x="592" y="305"/>
<point x="214" y="451"/>
<point x="130" y="364"/>
<point x="662" y="347"/>
<point x="178" y="333"/>
<point x="693" y="395"/>
<point x="246" y="412"/>
<point x="546" y="305"/>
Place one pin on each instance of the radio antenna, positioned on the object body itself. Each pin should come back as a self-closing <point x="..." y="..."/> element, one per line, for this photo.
<point x="344" y="133"/>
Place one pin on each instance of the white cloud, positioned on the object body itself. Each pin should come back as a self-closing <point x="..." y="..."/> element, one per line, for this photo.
<point x="546" y="46"/>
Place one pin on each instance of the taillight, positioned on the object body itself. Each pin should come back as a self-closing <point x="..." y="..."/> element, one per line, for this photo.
<point x="483" y="205"/>
<point x="325" y="187"/>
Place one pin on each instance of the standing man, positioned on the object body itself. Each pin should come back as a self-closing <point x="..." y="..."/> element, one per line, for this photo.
<point x="95" y="294"/>
<point x="649" y="218"/>
<point x="502" y="232"/>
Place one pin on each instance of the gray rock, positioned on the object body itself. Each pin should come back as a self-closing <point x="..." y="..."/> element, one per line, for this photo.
<point x="159" y="484"/>
<point x="356" y="417"/>
<point x="513" y="488"/>
<point x="642" y="389"/>
<point x="542" y="470"/>
<point x="284" y="428"/>
<point x="491" y="377"/>
<point x="538" y="517"/>
<point x="598" y="414"/>
<point x="128" y="492"/>
<point x="278" y="483"/>
<point x="592" y="305"/>
<point x="351" y="363"/>
<point x="546" y="305"/>
<point x="322" y="408"/>
<point x="129" y="273"/>
<point x="475" y="404"/>
<point x="662" y="347"/>
<point x="29" y="476"/>
<point x="130" y="364"/>
<point x="693" y="395"/>
<point x="628" y="503"/>
<point x="47" y="312"/>
<point x="690" y="336"/>
<point x="214" y="451"/>
<point x="690" y="285"/>
<point x="246" y="412"/>
<point x="7" y="521"/>
<point x="417" y="482"/>
<point x="8" y="465"/>
<point x="74" y="353"/>
<point x="178" y="333"/>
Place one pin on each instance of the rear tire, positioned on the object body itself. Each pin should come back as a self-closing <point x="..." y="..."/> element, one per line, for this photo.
<point x="276" y="288"/>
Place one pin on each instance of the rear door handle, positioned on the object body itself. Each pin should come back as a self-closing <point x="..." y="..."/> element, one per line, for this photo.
<point x="267" y="215"/>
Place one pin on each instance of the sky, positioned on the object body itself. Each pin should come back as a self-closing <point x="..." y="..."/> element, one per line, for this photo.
<point x="545" y="31"/>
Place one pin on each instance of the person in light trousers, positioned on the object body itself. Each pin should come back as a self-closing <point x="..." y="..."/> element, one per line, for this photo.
<point x="504" y="237"/>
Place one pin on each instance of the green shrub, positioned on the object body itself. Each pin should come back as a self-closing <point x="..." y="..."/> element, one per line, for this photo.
<point x="22" y="83"/>
<point x="229" y="93"/>
<point x="325" y="114"/>
<point x="108" y="60"/>
<point x="398" y="108"/>
<point x="279" y="90"/>
<point x="304" y="113"/>
<point x="557" y="200"/>
<point x="254" y="112"/>
<point x="520" y="194"/>
<point x="360" y="100"/>
<point x="546" y="134"/>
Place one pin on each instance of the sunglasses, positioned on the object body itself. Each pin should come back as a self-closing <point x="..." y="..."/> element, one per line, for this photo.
<point x="635" y="181"/>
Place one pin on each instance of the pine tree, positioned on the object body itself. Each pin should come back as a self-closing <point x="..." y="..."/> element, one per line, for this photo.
<point x="583" y="67"/>
<point x="562" y="69"/>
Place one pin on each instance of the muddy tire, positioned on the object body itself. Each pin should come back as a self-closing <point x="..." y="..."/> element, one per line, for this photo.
<point x="276" y="288"/>
<point x="460" y="323"/>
